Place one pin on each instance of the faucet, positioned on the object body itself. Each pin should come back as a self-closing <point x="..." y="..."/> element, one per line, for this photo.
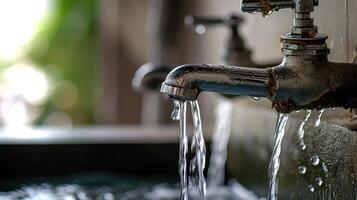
<point x="305" y="79"/>
<point x="150" y="76"/>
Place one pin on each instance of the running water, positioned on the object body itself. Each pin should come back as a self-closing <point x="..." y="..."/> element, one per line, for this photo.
<point x="197" y="164"/>
<point x="220" y="138"/>
<point x="318" y="120"/>
<point x="199" y="161"/>
<point x="275" y="159"/>
<point x="301" y="131"/>
<point x="183" y="150"/>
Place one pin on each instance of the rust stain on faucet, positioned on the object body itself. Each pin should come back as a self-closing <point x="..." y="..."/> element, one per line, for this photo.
<point x="266" y="7"/>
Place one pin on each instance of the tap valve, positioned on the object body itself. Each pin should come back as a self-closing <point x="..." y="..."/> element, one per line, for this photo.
<point x="303" y="38"/>
<point x="266" y="7"/>
<point x="235" y="50"/>
<point x="303" y="24"/>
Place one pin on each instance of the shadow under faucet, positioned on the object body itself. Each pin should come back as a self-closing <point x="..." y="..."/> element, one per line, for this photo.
<point x="305" y="79"/>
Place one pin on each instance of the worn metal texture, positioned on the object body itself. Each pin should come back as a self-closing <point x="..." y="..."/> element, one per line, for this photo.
<point x="187" y="81"/>
<point x="304" y="80"/>
<point x="318" y="85"/>
<point x="300" y="82"/>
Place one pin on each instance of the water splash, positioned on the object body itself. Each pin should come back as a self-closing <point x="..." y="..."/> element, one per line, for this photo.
<point x="318" y="119"/>
<point x="301" y="131"/>
<point x="200" y="158"/>
<point x="311" y="188"/>
<point x="220" y="138"/>
<point x="183" y="151"/>
<point x="275" y="159"/>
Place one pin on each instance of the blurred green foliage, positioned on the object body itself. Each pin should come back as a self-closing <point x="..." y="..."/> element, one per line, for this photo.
<point x="66" y="46"/>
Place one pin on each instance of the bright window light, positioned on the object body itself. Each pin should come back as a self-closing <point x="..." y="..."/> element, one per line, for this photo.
<point x="19" y="21"/>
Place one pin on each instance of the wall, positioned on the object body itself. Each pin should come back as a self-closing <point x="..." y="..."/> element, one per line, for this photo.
<point x="263" y="34"/>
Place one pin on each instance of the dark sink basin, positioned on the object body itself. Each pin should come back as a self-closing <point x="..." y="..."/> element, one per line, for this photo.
<point x="49" y="152"/>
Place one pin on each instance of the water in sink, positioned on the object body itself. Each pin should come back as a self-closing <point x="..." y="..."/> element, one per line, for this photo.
<point x="108" y="187"/>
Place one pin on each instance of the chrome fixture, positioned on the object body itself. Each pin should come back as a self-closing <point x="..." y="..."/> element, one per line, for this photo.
<point x="305" y="79"/>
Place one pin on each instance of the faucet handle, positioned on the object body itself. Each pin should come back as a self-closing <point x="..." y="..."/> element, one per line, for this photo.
<point x="200" y="23"/>
<point x="235" y="49"/>
<point x="266" y="7"/>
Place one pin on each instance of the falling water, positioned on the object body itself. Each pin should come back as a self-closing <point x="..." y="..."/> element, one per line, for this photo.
<point x="275" y="159"/>
<point x="199" y="161"/>
<point x="197" y="164"/>
<point x="315" y="160"/>
<point x="318" y="120"/>
<point x="301" y="131"/>
<point x="219" y="143"/>
<point x="175" y="115"/>
<point x="183" y="150"/>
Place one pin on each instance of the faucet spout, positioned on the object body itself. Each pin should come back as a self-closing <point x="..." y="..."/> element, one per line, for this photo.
<point x="187" y="81"/>
<point x="299" y="82"/>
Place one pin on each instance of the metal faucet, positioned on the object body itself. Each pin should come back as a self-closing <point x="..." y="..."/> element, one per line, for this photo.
<point x="150" y="76"/>
<point x="305" y="79"/>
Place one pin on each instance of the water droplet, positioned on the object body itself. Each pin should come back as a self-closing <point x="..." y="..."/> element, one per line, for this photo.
<point x="301" y="131"/>
<point x="256" y="98"/>
<point x="200" y="29"/>
<point x="311" y="188"/>
<point x="319" y="181"/>
<point x="303" y="146"/>
<point x="315" y="160"/>
<point x="324" y="168"/>
<point x="175" y="115"/>
<point x="302" y="169"/>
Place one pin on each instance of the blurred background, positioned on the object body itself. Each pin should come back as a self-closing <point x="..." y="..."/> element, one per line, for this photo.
<point x="67" y="63"/>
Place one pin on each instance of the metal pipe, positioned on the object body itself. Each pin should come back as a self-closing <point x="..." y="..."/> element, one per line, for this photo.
<point x="299" y="82"/>
<point x="187" y="81"/>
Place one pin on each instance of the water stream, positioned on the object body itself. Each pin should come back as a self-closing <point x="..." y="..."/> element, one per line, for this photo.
<point x="318" y="119"/>
<point x="275" y="159"/>
<point x="181" y="110"/>
<point x="197" y="164"/>
<point x="220" y="138"/>
<point x="199" y="161"/>
<point x="301" y="130"/>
